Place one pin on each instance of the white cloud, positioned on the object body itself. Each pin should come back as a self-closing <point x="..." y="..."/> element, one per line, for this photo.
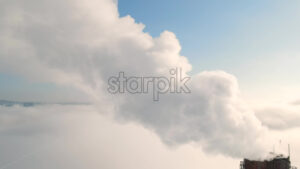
<point x="56" y="136"/>
<point x="81" y="43"/>
<point x="280" y="117"/>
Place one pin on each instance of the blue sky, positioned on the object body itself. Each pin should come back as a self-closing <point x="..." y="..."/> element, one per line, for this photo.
<point x="207" y="30"/>
<point x="219" y="34"/>
<point x="257" y="41"/>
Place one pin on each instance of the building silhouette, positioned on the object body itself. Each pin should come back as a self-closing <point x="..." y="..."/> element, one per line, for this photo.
<point x="278" y="162"/>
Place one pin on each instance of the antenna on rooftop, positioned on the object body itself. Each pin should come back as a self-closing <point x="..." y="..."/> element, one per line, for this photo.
<point x="289" y="150"/>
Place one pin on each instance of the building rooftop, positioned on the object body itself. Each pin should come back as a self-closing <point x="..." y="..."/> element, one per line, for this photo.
<point x="276" y="162"/>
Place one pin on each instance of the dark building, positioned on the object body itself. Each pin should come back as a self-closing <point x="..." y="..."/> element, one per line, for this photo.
<point x="279" y="162"/>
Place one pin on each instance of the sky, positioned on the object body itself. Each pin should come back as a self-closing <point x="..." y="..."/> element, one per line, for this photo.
<point x="241" y="57"/>
<point x="257" y="41"/>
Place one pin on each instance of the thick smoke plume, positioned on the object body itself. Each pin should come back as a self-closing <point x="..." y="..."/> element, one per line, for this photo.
<point x="83" y="42"/>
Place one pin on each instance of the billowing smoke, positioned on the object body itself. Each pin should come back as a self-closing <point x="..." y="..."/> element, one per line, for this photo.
<point x="280" y="117"/>
<point x="84" y="42"/>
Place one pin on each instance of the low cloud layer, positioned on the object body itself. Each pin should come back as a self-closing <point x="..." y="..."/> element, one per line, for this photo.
<point x="77" y="137"/>
<point x="82" y="43"/>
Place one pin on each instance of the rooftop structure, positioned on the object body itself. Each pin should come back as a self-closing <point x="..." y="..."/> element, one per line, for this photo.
<point x="278" y="162"/>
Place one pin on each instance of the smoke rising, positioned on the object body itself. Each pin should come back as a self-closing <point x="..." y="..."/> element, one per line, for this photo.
<point x="82" y="43"/>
